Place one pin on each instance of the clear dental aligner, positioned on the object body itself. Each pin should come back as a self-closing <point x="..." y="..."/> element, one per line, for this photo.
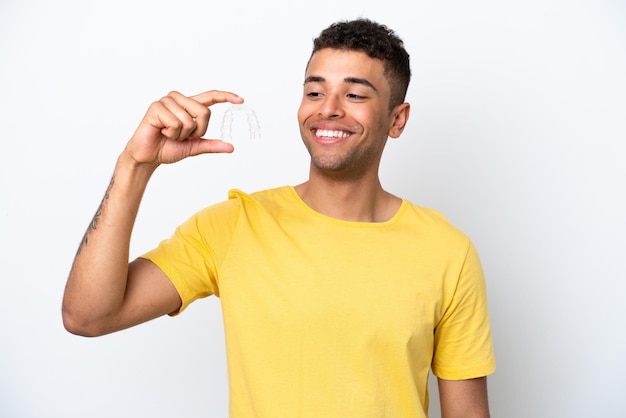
<point x="253" y="123"/>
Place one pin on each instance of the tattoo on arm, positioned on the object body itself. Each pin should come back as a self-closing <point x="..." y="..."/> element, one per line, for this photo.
<point x="94" y="222"/>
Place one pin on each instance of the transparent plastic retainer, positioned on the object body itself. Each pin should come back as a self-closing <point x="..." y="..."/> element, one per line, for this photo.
<point x="227" y="122"/>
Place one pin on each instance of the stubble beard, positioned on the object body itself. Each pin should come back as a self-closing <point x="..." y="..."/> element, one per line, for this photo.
<point x="346" y="167"/>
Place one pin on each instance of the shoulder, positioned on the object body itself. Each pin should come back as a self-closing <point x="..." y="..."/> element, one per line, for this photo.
<point x="432" y="223"/>
<point x="268" y="199"/>
<point x="262" y="196"/>
<point x="238" y="199"/>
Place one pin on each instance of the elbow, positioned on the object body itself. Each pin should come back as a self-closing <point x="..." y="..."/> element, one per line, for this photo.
<point x="80" y="325"/>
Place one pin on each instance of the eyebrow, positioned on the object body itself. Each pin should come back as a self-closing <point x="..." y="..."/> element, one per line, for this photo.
<point x="351" y="80"/>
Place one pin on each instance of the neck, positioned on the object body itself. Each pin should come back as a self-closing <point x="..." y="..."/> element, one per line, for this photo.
<point x="358" y="201"/>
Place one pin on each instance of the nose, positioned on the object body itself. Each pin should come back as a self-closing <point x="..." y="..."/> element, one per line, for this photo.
<point x="330" y="108"/>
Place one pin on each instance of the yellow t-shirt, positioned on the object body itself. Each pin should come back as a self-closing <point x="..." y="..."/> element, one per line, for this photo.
<point x="330" y="318"/>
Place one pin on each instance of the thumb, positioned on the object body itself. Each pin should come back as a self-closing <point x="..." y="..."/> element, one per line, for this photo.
<point x="208" y="146"/>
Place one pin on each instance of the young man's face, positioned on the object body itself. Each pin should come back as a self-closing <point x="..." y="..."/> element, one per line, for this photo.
<point x="344" y="116"/>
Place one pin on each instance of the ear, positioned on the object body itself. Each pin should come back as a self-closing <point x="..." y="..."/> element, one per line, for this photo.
<point x="399" y="118"/>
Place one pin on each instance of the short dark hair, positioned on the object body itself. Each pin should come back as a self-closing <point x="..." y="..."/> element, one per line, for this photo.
<point x="377" y="41"/>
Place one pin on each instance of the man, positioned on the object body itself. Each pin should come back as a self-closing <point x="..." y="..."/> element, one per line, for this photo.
<point x="338" y="297"/>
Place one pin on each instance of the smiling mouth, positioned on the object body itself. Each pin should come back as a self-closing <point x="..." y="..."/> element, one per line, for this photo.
<point x="326" y="133"/>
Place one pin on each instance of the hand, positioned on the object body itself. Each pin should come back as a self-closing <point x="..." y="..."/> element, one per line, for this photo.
<point x="173" y="127"/>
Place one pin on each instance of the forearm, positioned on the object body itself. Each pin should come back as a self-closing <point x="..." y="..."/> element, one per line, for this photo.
<point x="102" y="295"/>
<point x="97" y="282"/>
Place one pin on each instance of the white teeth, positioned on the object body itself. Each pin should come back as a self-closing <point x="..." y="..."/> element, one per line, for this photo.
<point x="331" y="134"/>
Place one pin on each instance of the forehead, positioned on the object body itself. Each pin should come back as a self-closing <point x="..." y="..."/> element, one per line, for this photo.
<point x="336" y="64"/>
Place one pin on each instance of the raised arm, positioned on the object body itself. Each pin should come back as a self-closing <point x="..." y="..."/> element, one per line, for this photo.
<point x="104" y="293"/>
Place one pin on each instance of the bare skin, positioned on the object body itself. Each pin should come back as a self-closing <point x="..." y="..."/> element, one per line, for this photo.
<point x="345" y="120"/>
<point x="104" y="293"/>
<point x="464" y="398"/>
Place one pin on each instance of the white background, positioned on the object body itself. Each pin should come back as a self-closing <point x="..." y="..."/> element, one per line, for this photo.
<point x="517" y="134"/>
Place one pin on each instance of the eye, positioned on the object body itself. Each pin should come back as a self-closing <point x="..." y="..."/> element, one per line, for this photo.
<point x="354" y="96"/>
<point x="313" y="95"/>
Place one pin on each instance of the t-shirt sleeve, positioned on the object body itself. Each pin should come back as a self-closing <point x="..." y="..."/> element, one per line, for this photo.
<point x="191" y="257"/>
<point x="463" y="345"/>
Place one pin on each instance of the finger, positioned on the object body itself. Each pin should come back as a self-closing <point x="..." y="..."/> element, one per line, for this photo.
<point x="184" y="117"/>
<point x="212" y="97"/>
<point x="159" y="117"/>
<point x="194" y="112"/>
<point x="204" y="146"/>
<point x="191" y="117"/>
